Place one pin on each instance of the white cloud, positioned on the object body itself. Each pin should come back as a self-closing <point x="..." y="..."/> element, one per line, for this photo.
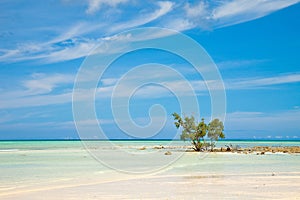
<point x="109" y="81"/>
<point x="37" y="100"/>
<point x="74" y="31"/>
<point x="51" y="52"/>
<point x="41" y="83"/>
<point x="213" y="15"/>
<point x="240" y="63"/>
<point x="78" y="50"/>
<point x="238" y="11"/>
<point x="164" y="8"/>
<point x="198" y="10"/>
<point x="180" y="24"/>
<point x="257" y="82"/>
<point x="159" y="90"/>
<point x="283" y="122"/>
<point x="165" y="82"/>
<point x="91" y="122"/>
<point x="70" y="44"/>
<point x="95" y="5"/>
<point x="37" y="91"/>
<point x="77" y="40"/>
<point x="200" y="86"/>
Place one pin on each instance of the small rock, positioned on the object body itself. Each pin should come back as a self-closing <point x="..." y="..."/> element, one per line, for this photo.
<point x="168" y="153"/>
<point x="262" y="153"/>
<point x="142" y="148"/>
<point x="273" y="174"/>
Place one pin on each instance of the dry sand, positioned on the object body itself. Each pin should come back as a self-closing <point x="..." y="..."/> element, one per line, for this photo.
<point x="248" y="186"/>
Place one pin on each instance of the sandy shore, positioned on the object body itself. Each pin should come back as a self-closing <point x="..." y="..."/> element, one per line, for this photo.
<point x="248" y="186"/>
<point x="218" y="176"/>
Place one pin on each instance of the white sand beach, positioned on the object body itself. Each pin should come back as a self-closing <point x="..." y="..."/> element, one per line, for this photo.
<point x="251" y="186"/>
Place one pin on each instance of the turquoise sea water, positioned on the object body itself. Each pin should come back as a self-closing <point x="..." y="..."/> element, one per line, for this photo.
<point x="36" y="163"/>
<point x="67" y="144"/>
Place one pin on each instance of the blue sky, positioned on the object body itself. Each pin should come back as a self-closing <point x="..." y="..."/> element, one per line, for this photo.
<point x="255" y="45"/>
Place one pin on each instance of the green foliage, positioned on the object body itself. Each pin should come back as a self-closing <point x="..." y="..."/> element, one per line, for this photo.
<point x="191" y="131"/>
<point x="215" y="131"/>
<point x="196" y="132"/>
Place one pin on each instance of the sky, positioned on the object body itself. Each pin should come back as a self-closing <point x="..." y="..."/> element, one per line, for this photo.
<point x="254" y="44"/>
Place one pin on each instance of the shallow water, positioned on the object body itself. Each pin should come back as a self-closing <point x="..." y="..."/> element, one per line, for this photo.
<point x="36" y="163"/>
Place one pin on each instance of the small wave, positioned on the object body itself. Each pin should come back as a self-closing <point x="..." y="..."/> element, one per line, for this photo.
<point x="8" y="150"/>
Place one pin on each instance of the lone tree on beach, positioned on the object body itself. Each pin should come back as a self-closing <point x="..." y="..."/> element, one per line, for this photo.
<point x="195" y="132"/>
<point x="215" y="131"/>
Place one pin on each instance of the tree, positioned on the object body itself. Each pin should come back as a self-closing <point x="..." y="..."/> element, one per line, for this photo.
<point x="191" y="131"/>
<point x="197" y="132"/>
<point x="215" y="131"/>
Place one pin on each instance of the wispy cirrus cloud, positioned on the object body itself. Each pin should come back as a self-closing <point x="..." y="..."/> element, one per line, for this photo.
<point x="262" y="82"/>
<point x="210" y="15"/>
<point x="163" y="8"/>
<point x="42" y="83"/>
<point x="73" y="42"/>
<point x="39" y="90"/>
<point x="95" y="5"/>
<point x="167" y="85"/>
<point x="240" y="63"/>
<point x="65" y="50"/>
<point x="238" y="11"/>
<point x="36" y="100"/>
<point x="196" y="10"/>
<point x="261" y="125"/>
<point x="75" y="39"/>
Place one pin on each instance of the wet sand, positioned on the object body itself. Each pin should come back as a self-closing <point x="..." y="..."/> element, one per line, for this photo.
<point x="215" y="176"/>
